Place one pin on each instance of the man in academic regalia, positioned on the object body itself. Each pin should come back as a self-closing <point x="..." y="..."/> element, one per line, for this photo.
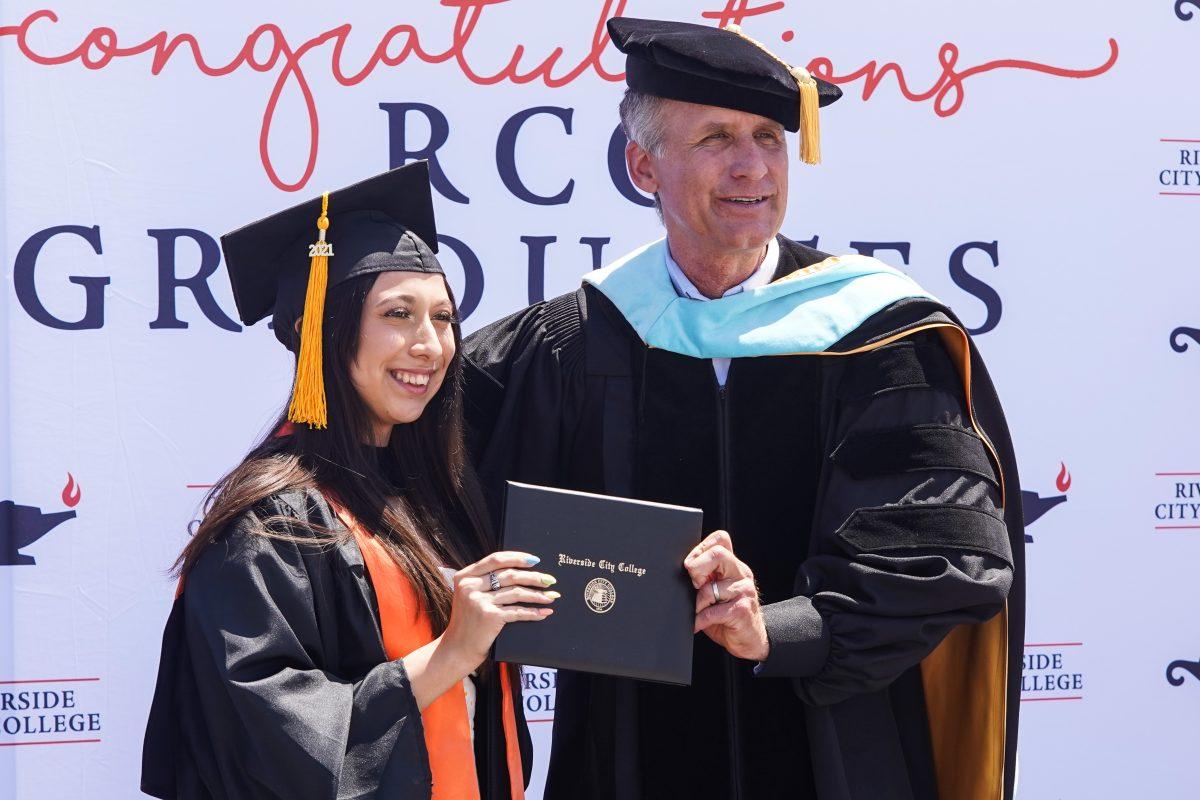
<point x="863" y="609"/>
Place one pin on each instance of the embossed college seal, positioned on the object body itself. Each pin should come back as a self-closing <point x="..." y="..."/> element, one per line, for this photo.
<point x="600" y="595"/>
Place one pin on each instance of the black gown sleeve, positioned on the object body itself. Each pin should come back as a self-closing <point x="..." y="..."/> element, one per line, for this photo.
<point x="282" y="724"/>
<point x="525" y="386"/>
<point x="910" y="539"/>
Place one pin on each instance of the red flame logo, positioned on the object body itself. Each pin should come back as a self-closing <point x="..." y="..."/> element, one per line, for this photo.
<point x="1064" y="478"/>
<point x="70" y="492"/>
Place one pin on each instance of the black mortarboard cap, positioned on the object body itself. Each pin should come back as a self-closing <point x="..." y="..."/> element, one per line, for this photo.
<point x="381" y="224"/>
<point x="720" y="67"/>
<point x="283" y="264"/>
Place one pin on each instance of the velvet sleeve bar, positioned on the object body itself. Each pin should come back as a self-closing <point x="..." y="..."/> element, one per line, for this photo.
<point x="910" y="540"/>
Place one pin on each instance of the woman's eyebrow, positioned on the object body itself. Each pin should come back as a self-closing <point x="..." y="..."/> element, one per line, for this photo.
<point x="408" y="298"/>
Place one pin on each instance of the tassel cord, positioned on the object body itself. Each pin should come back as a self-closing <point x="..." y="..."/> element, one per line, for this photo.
<point x="308" y="404"/>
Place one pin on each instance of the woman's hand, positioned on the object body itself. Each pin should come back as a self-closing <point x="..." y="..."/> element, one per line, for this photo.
<point x="479" y="611"/>
<point x="476" y="617"/>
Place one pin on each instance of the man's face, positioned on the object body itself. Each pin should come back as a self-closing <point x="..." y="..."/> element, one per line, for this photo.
<point x="721" y="178"/>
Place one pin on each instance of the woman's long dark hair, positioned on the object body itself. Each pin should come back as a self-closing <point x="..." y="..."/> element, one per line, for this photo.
<point x="436" y="517"/>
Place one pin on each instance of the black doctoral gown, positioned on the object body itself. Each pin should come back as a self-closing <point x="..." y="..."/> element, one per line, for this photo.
<point x="274" y="683"/>
<point x="865" y="490"/>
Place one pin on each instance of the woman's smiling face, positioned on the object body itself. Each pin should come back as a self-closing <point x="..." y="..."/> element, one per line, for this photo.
<point x="406" y="342"/>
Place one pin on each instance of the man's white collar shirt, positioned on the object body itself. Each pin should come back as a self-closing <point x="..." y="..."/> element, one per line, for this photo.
<point x="685" y="288"/>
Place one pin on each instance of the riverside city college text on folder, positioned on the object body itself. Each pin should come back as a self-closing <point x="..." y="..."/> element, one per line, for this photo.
<point x="627" y="607"/>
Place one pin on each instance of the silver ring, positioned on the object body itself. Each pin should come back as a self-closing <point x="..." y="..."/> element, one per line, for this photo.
<point x="494" y="581"/>
<point x="716" y="592"/>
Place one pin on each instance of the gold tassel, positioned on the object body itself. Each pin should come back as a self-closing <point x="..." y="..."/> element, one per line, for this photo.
<point x="308" y="394"/>
<point x="810" y="101"/>
<point x="810" y="123"/>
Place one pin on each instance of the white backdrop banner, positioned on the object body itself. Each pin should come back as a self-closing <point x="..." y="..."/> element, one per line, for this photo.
<point x="1034" y="164"/>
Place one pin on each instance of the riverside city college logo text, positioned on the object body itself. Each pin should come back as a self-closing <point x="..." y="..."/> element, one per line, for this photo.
<point x="21" y="526"/>
<point x="1178" y="511"/>
<point x="49" y="712"/>
<point x="1181" y="174"/>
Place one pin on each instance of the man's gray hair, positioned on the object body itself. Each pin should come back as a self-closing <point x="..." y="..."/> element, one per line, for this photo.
<point x="642" y="119"/>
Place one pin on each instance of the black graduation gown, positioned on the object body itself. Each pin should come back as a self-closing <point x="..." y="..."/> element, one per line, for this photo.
<point x="859" y="490"/>
<point x="273" y="681"/>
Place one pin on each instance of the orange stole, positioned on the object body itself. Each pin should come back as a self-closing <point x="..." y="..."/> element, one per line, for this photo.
<point x="447" y="730"/>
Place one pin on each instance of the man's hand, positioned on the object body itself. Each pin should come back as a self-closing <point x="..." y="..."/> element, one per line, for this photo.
<point x="729" y="613"/>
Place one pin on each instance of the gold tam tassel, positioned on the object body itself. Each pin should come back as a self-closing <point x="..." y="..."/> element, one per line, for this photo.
<point x="308" y="394"/>
<point x="810" y="101"/>
<point x="810" y="123"/>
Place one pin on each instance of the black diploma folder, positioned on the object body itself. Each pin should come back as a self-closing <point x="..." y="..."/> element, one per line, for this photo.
<point x="627" y="606"/>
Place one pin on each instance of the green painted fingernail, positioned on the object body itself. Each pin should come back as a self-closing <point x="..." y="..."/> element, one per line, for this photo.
<point x="549" y="580"/>
<point x="553" y="595"/>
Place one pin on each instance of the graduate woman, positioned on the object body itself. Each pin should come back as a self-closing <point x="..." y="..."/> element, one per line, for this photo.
<point x="316" y="647"/>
